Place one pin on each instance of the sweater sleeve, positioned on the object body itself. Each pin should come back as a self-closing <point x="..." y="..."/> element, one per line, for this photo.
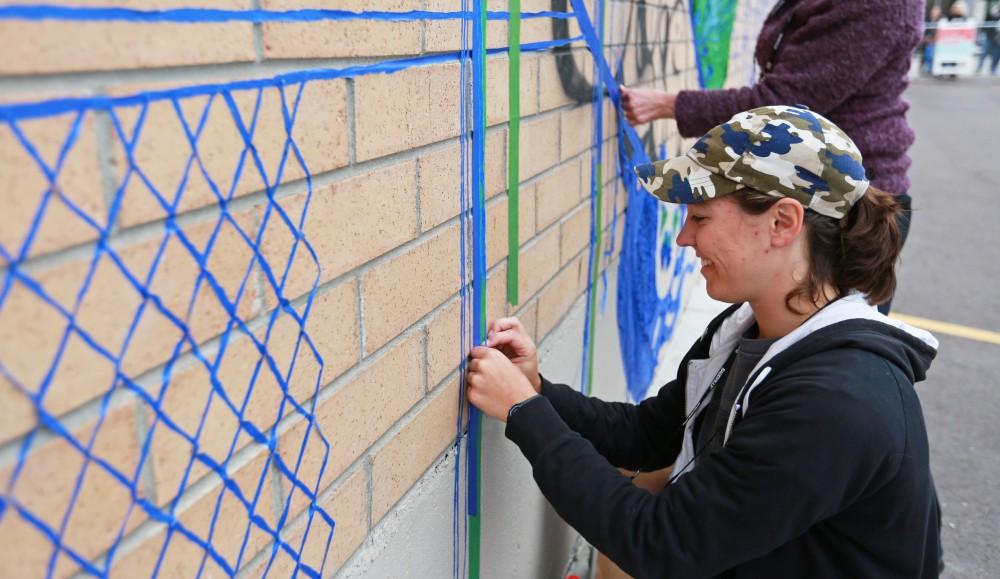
<point x="810" y="450"/>
<point x="646" y="436"/>
<point x="823" y="61"/>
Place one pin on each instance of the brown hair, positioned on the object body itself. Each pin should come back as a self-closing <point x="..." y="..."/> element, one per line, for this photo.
<point x="857" y="252"/>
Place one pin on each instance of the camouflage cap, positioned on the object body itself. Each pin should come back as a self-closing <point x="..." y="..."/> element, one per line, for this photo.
<point x="778" y="150"/>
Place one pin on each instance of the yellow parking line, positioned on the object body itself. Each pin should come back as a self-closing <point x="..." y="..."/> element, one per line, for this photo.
<point x="950" y="329"/>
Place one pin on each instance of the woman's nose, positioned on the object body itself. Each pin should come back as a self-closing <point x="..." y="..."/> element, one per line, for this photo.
<point x="686" y="237"/>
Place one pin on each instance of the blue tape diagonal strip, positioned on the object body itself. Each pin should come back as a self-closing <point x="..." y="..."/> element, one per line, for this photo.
<point x="594" y="44"/>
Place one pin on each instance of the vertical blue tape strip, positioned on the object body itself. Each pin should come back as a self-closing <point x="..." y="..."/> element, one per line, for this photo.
<point x="478" y="228"/>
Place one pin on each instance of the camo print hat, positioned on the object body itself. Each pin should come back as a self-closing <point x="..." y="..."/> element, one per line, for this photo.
<point x="778" y="150"/>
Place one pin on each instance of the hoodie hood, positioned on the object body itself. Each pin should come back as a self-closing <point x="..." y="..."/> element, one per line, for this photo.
<point x="852" y="322"/>
<point x="848" y="322"/>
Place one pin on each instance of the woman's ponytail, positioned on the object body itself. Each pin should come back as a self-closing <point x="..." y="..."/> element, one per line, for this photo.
<point x="871" y="242"/>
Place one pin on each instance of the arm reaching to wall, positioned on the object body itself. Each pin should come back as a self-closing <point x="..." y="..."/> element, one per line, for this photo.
<point x="827" y="58"/>
<point x="645" y="436"/>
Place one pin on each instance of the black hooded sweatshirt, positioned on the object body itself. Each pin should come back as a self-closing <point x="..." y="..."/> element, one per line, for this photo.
<point x="824" y="474"/>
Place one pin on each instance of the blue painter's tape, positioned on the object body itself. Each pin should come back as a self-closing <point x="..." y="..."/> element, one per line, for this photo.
<point x="594" y="44"/>
<point x="478" y="230"/>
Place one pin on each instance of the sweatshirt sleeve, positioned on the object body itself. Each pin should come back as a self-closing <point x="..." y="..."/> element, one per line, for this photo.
<point x="809" y="449"/>
<point x="822" y="62"/>
<point x="646" y="436"/>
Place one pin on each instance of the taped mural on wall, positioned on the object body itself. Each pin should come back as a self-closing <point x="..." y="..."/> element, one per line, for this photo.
<point x="183" y="306"/>
<point x="653" y="269"/>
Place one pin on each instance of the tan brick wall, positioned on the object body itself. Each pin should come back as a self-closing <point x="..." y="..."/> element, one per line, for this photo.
<point x="372" y="187"/>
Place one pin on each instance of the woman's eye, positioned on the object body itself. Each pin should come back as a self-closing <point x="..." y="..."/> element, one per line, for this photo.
<point x="697" y="218"/>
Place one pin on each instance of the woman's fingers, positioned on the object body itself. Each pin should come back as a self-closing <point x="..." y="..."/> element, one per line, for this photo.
<point x="502" y="324"/>
<point x="505" y="338"/>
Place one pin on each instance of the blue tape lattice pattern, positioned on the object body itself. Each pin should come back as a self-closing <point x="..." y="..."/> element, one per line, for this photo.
<point x="147" y="299"/>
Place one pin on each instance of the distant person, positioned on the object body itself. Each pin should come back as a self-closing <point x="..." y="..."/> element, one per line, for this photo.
<point x="991" y="40"/>
<point x="845" y="59"/>
<point x="958" y="11"/>
<point x="927" y="55"/>
<point x="799" y="444"/>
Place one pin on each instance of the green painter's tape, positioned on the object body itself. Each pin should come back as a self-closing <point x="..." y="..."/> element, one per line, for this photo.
<point x="513" y="151"/>
<point x="595" y="272"/>
<point x="481" y="186"/>
<point x="475" y="521"/>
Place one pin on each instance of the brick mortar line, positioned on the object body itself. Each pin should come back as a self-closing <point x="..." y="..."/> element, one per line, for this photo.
<point x="260" y="278"/>
<point x="277" y="498"/>
<point x="425" y="343"/>
<point x="419" y="193"/>
<point x="147" y="476"/>
<point x="105" y="137"/>
<point x="422" y="34"/>
<point x="359" y="318"/>
<point x="362" y="327"/>
<point x="352" y="138"/>
<point x="369" y="467"/>
<point x="258" y="34"/>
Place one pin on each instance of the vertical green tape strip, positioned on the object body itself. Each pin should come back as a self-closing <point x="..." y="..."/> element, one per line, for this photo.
<point x="475" y="521"/>
<point x="513" y="150"/>
<point x="595" y="271"/>
<point x="481" y="185"/>
<point x="595" y="266"/>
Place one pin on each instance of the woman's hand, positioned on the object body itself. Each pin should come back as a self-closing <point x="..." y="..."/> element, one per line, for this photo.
<point x="642" y="105"/>
<point x="495" y="384"/>
<point x="508" y="336"/>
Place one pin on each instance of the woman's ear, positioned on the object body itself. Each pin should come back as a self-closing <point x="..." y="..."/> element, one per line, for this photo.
<point x="787" y="220"/>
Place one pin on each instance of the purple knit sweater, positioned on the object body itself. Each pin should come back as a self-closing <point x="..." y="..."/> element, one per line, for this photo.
<point x="845" y="59"/>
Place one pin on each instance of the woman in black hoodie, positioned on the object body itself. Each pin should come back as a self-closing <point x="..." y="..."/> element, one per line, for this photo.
<point x="798" y="442"/>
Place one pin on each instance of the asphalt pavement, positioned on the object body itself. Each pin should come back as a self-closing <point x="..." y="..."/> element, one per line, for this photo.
<point x="950" y="272"/>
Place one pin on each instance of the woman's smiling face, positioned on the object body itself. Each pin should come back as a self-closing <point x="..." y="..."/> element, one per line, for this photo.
<point x="734" y="247"/>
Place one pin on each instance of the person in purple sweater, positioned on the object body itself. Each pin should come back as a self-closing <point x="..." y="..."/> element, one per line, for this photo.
<point x="845" y="59"/>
